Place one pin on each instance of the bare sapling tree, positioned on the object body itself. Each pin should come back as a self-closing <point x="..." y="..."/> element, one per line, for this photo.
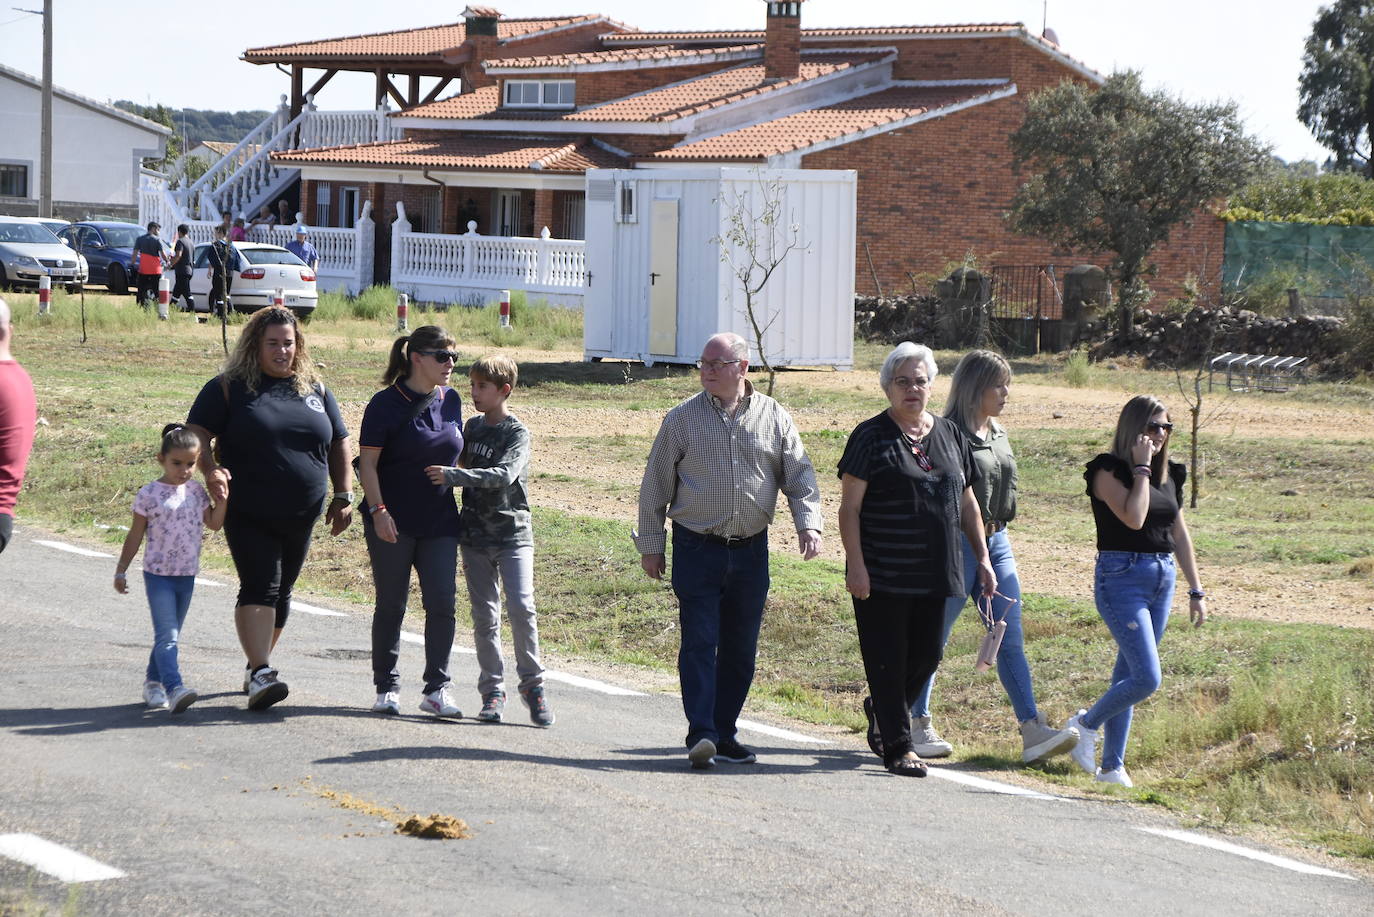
<point x="1191" y="391"/>
<point x="756" y="241"/>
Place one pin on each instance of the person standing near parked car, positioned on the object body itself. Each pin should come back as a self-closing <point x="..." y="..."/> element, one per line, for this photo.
<point x="150" y="257"/>
<point x="415" y="422"/>
<point x="268" y="423"/>
<point x="181" y="269"/>
<point x="302" y="249"/>
<point x="224" y="261"/>
<point x="236" y="232"/>
<point x="1136" y="495"/>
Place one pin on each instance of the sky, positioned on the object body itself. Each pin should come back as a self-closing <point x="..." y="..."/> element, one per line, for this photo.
<point x="1249" y="51"/>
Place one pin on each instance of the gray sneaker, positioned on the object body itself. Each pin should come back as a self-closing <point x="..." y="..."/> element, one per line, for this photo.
<point x="925" y="741"/>
<point x="154" y="695"/>
<point x="702" y="755"/>
<point x="1041" y="741"/>
<point x="540" y="714"/>
<point x="493" y="705"/>
<point x="266" y="689"/>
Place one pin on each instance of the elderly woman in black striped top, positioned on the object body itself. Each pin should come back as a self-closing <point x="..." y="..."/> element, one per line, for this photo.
<point x="906" y="494"/>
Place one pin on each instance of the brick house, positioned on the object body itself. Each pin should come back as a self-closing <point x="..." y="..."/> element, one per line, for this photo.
<point x="922" y="113"/>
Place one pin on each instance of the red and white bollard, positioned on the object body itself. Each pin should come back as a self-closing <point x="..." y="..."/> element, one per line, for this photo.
<point x="505" y="308"/>
<point x="164" y="297"/>
<point x="402" y="312"/>
<point x="44" y="295"/>
<point x="279" y="297"/>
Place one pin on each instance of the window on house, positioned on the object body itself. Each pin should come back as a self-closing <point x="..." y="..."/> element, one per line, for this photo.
<point x="625" y="203"/>
<point x="574" y="217"/>
<point x="323" y="196"/>
<point x="508" y="213"/>
<point x="539" y="93"/>
<point x="14" y="180"/>
<point x="431" y="211"/>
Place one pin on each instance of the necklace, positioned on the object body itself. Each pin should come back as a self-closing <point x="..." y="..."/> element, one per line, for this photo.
<point x="922" y="460"/>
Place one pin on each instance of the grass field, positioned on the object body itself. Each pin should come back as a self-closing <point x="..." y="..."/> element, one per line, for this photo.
<point x="1260" y="726"/>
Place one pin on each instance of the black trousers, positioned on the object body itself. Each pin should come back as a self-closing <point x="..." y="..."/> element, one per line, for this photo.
<point x="181" y="290"/>
<point x="219" y="292"/>
<point x="899" y="638"/>
<point x="268" y="555"/>
<point x="147" y="288"/>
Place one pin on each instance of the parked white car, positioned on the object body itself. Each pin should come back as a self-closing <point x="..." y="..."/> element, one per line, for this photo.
<point x="264" y="269"/>
<point x="28" y="250"/>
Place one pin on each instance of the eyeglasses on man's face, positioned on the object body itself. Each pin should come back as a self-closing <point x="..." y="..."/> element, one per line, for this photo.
<point x="715" y="366"/>
<point x="1155" y="426"/>
<point x="440" y="356"/>
<point x="903" y="382"/>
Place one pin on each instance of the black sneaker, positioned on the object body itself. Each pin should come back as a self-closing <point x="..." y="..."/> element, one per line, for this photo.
<point x="265" y="689"/>
<point x="732" y="752"/>
<point x="540" y="714"/>
<point x="493" y="705"/>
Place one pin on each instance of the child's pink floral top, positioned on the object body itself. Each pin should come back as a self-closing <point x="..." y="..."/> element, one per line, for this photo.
<point x="176" y="522"/>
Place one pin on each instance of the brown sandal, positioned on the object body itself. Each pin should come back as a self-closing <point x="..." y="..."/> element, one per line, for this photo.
<point x="908" y="766"/>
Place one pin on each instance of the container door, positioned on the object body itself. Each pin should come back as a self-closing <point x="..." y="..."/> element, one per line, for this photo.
<point x="663" y="279"/>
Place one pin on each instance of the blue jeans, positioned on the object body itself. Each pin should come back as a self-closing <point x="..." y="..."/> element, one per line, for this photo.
<point x="1133" y="594"/>
<point x="1012" y="667"/>
<point x="720" y="592"/>
<point x="168" y="598"/>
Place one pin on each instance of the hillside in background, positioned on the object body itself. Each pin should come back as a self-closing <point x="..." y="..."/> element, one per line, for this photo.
<point x="196" y="124"/>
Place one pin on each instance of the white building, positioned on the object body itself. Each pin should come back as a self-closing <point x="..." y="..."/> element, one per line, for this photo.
<point x="96" y="151"/>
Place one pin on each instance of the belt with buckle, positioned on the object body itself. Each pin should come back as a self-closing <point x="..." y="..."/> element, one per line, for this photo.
<point x="993" y="527"/>
<point x="727" y="541"/>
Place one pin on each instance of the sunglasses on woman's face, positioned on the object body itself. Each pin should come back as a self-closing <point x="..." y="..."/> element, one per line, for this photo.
<point x="1155" y="426"/>
<point x="441" y="356"/>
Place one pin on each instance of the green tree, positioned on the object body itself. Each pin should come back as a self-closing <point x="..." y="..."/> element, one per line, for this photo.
<point x="1336" y="88"/>
<point x="1115" y="169"/>
<point x="1297" y="193"/>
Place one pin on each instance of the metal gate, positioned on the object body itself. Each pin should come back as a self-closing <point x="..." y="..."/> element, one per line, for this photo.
<point x="1027" y="308"/>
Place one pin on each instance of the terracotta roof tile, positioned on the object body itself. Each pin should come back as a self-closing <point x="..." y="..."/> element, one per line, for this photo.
<point x="425" y="42"/>
<point x="501" y="154"/>
<point x="804" y="129"/>
<point x="618" y="56"/>
<point x="666" y="103"/>
<point x="749" y="35"/>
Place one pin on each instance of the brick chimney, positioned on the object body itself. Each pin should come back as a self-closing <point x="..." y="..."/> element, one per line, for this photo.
<point x="782" y="40"/>
<point x="480" y="29"/>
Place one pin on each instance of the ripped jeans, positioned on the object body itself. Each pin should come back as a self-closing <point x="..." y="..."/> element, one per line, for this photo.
<point x="1133" y="594"/>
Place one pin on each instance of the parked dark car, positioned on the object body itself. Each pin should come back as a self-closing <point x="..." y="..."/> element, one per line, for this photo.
<point x="109" y="251"/>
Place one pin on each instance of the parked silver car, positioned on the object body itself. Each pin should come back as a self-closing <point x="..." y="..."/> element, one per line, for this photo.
<point x="83" y="270"/>
<point x="30" y="250"/>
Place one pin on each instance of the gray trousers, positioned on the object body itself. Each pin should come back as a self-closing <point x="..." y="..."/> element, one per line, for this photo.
<point x="435" y="561"/>
<point x="487" y="571"/>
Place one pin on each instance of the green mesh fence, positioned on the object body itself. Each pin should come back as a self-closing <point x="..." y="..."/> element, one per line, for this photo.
<point x="1323" y="256"/>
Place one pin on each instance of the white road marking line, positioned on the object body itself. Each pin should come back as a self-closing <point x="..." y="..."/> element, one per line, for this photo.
<point x="54" y="859"/>
<point x="991" y="786"/>
<point x="316" y="610"/>
<point x="590" y="684"/>
<point x="408" y="637"/>
<point x="71" y="548"/>
<point x="775" y="732"/>
<point x="207" y="582"/>
<point x="1202" y="840"/>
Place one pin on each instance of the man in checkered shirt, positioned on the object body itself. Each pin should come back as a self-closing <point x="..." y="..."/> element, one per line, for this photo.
<point x="715" y="469"/>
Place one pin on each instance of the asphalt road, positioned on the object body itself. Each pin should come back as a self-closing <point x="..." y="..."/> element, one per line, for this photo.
<point x="224" y="811"/>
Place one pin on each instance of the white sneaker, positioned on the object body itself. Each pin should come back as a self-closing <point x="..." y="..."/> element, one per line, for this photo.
<point x="1041" y="741"/>
<point x="265" y="689"/>
<point x="440" y="703"/>
<point x="247" y="677"/>
<point x="1117" y="776"/>
<point x="925" y="741"/>
<point x="388" y="702"/>
<point x="181" y="698"/>
<point x="1084" y="753"/>
<point x="154" y="695"/>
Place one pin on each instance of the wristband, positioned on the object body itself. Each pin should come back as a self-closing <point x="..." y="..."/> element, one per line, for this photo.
<point x="121" y="575"/>
<point x="1196" y="594"/>
<point x="344" y="495"/>
<point x="374" y="510"/>
<point x="1143" y="471"/>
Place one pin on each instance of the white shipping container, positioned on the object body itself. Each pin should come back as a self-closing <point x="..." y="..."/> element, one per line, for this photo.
<point x="658" y="287"/>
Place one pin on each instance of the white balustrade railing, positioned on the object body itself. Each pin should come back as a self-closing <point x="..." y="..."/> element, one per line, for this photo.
<point x="344" y="128"/>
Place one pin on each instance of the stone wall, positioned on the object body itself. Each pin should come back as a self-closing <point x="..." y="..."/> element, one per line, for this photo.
<point x="1186" y="340"/>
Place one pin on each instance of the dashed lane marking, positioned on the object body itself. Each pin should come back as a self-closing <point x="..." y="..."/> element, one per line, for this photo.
<point x="316" y="610"/>
<point x="991" y="786"/>
<point x="54" y="859"/>
<point x="775" y="732"/>
<point x="71" y="548"/>
<point x="591" y="684"/>
<point x="1202" y="840"/>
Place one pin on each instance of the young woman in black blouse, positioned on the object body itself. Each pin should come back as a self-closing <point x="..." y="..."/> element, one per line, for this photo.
<point x="1137" y="496"/>
<point x="905" y="498"/>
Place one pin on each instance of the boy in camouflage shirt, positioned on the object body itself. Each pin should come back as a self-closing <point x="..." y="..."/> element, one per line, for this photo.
<point x="497" y="541"/>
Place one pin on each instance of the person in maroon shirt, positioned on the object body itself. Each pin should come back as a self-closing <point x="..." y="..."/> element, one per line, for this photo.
<point x="18" y="418"/>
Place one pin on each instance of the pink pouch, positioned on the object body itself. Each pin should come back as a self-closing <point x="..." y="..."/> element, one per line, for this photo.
<point x="992" y="640"/>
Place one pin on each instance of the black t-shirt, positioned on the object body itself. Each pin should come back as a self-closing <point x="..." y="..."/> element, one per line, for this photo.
<point x="183" y="254"/>
<point x="275" y="444"/>
<point x="909" y="519"/>
<point x="409" y="442"/>
<point x="1157" y="535"/>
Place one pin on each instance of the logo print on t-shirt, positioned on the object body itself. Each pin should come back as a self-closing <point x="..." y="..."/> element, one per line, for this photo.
<point x="314" y="403"/>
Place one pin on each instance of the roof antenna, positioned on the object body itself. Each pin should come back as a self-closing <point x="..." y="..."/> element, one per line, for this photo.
<point x="1046" y="32"/>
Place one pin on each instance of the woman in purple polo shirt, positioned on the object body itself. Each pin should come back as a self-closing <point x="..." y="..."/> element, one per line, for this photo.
<point x="414" y="422"/>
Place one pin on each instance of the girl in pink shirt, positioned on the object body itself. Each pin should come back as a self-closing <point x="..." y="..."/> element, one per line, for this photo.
<point x="173" y="511"/>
